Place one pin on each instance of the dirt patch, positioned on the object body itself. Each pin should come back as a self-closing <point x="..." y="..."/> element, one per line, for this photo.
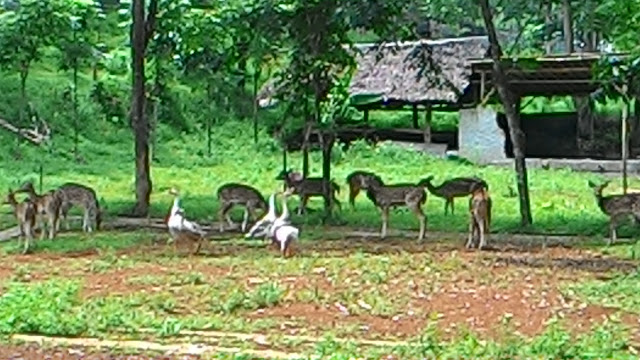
<point x="35" y="352"/>
<point x="119" y="282"/>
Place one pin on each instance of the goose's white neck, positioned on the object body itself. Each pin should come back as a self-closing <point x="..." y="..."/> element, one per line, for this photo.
<point x="272" y="206"/>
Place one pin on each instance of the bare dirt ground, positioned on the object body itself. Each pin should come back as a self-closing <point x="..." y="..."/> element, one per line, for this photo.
<point x="480" y="291"/>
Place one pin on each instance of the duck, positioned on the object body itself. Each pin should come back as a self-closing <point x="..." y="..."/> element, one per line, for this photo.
<point x="181" y="228"/>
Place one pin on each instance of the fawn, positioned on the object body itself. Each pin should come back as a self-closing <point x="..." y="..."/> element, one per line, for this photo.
<point x="452" y="188"/>
<point x="47" y="204"/>
<point x="387" y="196"/>
<point x="480" y="214"/>
<point x="308" y="187"/>
<point x="617" y="207"/>
<point x="232" y="194"/>
<point x="25" y="213"/>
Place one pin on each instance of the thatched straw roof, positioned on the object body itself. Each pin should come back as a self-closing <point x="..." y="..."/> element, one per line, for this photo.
<point x="416" y="72"/>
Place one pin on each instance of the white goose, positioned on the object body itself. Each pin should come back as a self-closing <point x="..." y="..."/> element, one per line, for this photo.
<point x="281" y="231"/>
<point x="261" y="227"/>
<point x="181" y="228"/>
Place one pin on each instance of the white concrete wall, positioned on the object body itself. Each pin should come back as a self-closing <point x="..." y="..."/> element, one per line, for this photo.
<point x="479" y="138"/>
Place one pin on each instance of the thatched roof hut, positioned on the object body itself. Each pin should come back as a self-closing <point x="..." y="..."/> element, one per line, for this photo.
<point x="417" y="72"/>
<point x="407" y="73"/>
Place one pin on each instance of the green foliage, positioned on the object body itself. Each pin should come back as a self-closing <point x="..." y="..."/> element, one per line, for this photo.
<point x="45" y="308"/>
<point x="620" y="291"/>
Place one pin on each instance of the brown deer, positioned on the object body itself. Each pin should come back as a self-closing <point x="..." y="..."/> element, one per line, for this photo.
<point x="356" y="179"/>
<point x="617" y="207"/>
<point x="232" y="194"/>
<point x="74" y="194"/>
<point x="25" y="213"/>
<point x="386" y="196"/>
<point x="452" y="188"/>
<point x="480" y="211"/>
<point x="307" y="188"/>
<point x="48" y="204"/>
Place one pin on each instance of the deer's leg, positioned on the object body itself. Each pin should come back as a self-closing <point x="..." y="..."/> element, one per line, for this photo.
<point x="245" y="220"/>
<point x="417" y="210"/>
<point x="353" y="192"/>
<point x="481" y="233"/>
<point x="451" y="205"/>
<point x="613" y="224"/>
<point x="471" y="231"/>
<point x="303" y="204"/>
<point x="198" y="245"/>
<point x="385" y="221"/>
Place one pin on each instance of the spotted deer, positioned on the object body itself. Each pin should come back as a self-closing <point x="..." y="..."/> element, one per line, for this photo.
<point x="356" y="179"/>
<point x="480" y="215"/>
<point x="618" y="207"/>
<point x="232" y="194"/>
<point x="386" y="196"/>
<point x="307" y="188"/>
<point x="25" y="214"/>
<point x="47" y="205"/>
<point x="73" y="194"/>
<point x="452" y="188"/>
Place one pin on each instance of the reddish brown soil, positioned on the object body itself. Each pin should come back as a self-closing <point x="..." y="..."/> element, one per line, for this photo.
<point x="34" y="352"/>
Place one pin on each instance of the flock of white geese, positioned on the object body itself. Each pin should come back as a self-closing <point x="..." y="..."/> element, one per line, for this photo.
<point x="277" y="228"/>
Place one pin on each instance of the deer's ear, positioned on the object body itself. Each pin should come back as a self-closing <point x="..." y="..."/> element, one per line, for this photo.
<point x="590" y="183"/>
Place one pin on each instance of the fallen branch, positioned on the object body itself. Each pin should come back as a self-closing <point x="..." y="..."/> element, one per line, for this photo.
<point x="37" y="135"/>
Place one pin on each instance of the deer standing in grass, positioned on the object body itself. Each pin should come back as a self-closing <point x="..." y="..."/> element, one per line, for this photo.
<point x="356" y="180"/>
<point x="387" y="196"/>
<point x="452" y="188"/>
<point x="232" y="194"/>
<point x="47" y="204"/>
<point x="25" y="214"/>
<point x="73" y="194"/>
<point x="307" y="188"/>
<point x="617" y="207"/>
<point x="480" y="215"/>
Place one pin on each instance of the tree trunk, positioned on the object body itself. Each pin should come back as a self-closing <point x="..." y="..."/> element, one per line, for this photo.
<point x="567" y="25"/>
<point x="625" y="142"/>
<point x="511" y="106"/>
<point x="76" y="124"/>
<point x="256" y="78"/>
<point x="548" y="28"/>
<point x="305" y="140"/>
<point x="139" y="120"/>
<point x="328" y="139"/>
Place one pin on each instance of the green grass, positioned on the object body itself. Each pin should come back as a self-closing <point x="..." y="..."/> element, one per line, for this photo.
<point x="620" y="292"/>
<point x="561" y="201"/>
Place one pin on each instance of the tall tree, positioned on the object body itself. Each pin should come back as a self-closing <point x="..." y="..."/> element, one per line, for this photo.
<point x="142" y="31"/>
<point x="511" y="104"/>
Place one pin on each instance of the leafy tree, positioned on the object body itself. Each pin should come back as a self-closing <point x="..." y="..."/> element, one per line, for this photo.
<point x="511" y="108"/>
<point x="205" y="56"/>
<point x="24" y="32"/>
<point x="143" y="27"/>
<point x="78" y="45"/>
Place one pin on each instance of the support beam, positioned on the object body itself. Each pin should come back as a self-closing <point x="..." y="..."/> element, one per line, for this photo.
<point x="427" y="125"/>
<point x="625" y="143"/>
<point x="366" y="116"/>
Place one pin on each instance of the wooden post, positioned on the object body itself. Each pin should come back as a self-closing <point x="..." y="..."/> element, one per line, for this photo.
<point x="284" y="164"/>
<point x="415" y="116"/>
<point x="366" y="116"/>
<point x="625" y="143"/>
<point x="427" y="125"/>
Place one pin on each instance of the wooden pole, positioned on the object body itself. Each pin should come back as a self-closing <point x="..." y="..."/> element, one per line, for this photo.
<point x="625" y="143"/>
<point x="427" y="125"/>
<point x="366" y="116"/>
